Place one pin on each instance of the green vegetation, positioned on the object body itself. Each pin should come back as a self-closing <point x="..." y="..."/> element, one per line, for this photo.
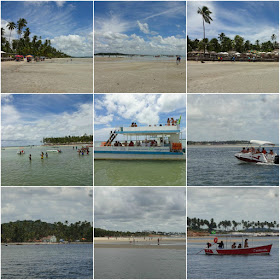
<point x="28" y="231"/>
<point x="99" y="232"/>
<point x="201" y="224"/>
<point x="68" y="139"/>
<point x="24" y="45"/>
<point x="225" y="44"/>
<point x="230" y="142"/>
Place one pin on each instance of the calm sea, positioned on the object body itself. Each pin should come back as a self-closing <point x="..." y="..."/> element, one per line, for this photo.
<point x="59" y="169"/>
<point x="201" y="266"/>
<point x="217" y="166"/>
<point x="139" y="172"/>
<point x="139" y="263"/>
<point x="69" y="261"/>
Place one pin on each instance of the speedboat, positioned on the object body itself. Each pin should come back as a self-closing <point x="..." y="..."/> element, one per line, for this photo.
<point x="258" y="155"/>
<point x="153" y="142"/>
<point x="214" y="249"/>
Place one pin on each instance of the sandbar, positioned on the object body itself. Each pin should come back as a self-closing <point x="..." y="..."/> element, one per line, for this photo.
<point x="118" y="75"/>
<point x="57" y="75"/>
<point x="233" y="77"/>
<point x="140" y="243"/>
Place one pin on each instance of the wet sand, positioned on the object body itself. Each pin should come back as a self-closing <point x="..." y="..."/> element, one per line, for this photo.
<point x="233" y="77"/>
<point x="58" y="75"/>
<point x="118" y="75"/>
<point x="140" y="243"/>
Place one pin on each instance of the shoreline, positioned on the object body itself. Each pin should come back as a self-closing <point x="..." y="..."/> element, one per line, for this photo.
<point x="42" y="243"/>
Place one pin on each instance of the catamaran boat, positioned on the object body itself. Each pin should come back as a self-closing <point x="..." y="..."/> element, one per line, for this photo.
<point x="242" y="249"/>
<point x="258" y="155"/>
<point x="158" y="142"/>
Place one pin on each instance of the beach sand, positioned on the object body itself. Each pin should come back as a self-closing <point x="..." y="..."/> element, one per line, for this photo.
<point x="140" y="243"/>
<point x="240" y="77"/>
<point x="117" y="75"/>
<point x="57" y="75"/>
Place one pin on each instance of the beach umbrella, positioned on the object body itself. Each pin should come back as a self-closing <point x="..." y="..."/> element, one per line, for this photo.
<point x="29" y="55"/>
<point x="3" y="52"/>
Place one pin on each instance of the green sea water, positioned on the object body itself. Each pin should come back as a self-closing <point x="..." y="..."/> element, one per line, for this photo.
<point x="59" y="169"/>
<point x="139" y="172"/>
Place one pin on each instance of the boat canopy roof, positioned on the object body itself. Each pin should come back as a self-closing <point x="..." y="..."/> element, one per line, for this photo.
<point x="259" y="142"/>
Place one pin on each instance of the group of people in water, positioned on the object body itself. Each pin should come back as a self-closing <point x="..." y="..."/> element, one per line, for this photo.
<point x="256" y="151"/>
<point x="221" y="245"/>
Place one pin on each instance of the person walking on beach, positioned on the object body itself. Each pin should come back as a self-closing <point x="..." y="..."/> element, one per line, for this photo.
<point x="158" y="241"/>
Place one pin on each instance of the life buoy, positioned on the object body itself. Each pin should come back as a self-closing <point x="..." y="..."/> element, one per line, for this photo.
<point x="215" y="240"/>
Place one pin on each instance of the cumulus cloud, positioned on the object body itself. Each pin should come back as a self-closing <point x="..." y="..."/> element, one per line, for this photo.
<point x="74" y="45"/>
<point x="47" y="204"/>
<point x="60" y="3"/>
<point x="22" y="125"/>
<point x="254" y="204"/>
<point x="159" y="209"/>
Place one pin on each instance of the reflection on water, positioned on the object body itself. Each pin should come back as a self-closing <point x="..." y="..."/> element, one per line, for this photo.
<point x="217" y="166"/>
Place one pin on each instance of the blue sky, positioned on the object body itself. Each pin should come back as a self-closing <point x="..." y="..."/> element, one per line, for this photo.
<point x="141" y="27"/>
<point x="27" y="118"/>
<point x="68" y="24"/>
<point x="253" y="20"/>
<point x="115" y="110"/>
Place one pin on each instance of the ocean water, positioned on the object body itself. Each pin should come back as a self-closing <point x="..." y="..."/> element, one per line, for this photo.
<point x="59" y="169"/>
<point x="69" y="261"/>
<point x="217" y="166"/>
<point x="139" y="173"/>
<point x="201" y="266"/>
<point x="131" y="263"/>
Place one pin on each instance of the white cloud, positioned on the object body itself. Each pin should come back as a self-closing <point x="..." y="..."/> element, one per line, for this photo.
<point x="144" y="27"/>
<point x="257" y="204"/>
<point x="233" y="117"/>
<point x="239" y="21"/>
<point x="47" y="204"/>
<point x="60" y="3"/>
<point x="18" y="126"/>
<point x="74" y="45"/>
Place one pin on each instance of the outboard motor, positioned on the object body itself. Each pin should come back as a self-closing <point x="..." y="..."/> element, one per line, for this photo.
<point x="276" y="159"/>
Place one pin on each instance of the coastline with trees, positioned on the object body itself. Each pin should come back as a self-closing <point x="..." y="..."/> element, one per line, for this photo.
<point x="28" y="231"/>
<point x="25" y="45"/>
<point x="68" y="140"/>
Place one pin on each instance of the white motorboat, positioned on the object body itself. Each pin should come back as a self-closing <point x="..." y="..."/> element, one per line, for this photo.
<point x="259" y="154"/>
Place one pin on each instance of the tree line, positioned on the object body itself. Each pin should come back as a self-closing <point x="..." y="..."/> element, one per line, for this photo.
<point x="24" y="45"/>
<point x="28" y="231"/>
<point x="202" y="224"/>
<point x="68" y="139"/>
<point x="224" y="43"/>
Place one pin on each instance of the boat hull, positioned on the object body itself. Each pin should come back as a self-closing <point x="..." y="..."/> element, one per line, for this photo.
<point x="260" y="250"/>
<point x="138" y="156"/>
<point x="255" y="158"/>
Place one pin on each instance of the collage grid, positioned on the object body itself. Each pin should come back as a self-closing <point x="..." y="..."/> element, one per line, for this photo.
<point x="162" y="104"/>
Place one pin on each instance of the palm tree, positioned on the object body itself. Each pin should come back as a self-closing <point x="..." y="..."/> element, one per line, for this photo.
<point x="221" y="36"/>
<point x="11" y="26"/>
<point x="205" y="13"/>
<point x="20" y="24"/>
<point x="273" y="38"/>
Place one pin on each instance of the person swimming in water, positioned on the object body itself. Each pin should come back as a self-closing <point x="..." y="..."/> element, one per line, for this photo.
<point x="30" y="157"/>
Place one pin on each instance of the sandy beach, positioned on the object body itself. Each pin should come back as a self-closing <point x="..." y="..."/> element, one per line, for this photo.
<point x="140" y="243"/>
<point x="231" y="77"/>
<point x="118" y="75"/>
<point x="58" y="75"/>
